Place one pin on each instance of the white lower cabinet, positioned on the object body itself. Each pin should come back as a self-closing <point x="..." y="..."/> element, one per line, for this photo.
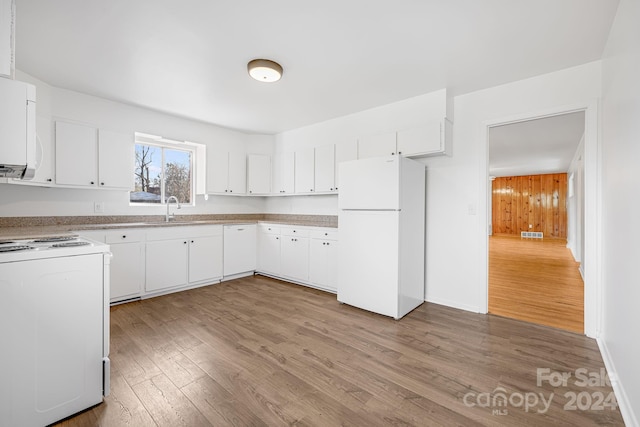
<point x="323" y="259"/>
<point x="127" y="264"/>
<point x="177" y="257"/>
<point x="306" y="255"/>
<point x="239" y="249"/>
<point x="294" y="254"/>
<point x="166" y="264"/>
<point x="205" y="258"/>
<point x="269" y="249"/>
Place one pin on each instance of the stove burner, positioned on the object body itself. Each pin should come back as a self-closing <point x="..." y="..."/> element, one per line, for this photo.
<point x="15" y="248"/>
<point x="54" y="239"/>
<point x="70" y="244"/>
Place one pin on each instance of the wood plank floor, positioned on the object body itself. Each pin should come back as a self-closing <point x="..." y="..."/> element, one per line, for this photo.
<point x="260" y="352"/>
<point x="537" y="281"/>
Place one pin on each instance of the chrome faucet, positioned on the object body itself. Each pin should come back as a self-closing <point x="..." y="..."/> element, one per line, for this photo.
<point x="168" y="217"/>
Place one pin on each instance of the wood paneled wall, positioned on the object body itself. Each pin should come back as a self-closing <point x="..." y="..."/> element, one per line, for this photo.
<point x="536" y="200"/>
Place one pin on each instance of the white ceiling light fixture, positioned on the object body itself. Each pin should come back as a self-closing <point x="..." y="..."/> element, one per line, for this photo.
<point x="265" y="70"/>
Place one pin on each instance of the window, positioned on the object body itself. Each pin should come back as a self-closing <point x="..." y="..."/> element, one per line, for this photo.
<point x="161" y="171"/>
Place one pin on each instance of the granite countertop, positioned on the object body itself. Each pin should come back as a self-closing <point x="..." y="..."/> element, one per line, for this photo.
<point x="34" y="227"/>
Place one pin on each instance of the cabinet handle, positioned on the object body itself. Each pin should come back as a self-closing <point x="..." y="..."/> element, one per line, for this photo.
<point x="49" y="180"/>
<point x="399" y="152"/>
<point x="250" y="191"/>
<point x="92" y="182"/>
<point x="184" y="242"/>
<point x="230" y="191"/>
<point x="326" y="234"/>
<point x="393" y="154"/>
<point x="328" y="243"/>
<point x="277" y="238"/>
<point x="226" y="191"/>
<point x="124" y="236"/>
<point x="294" y="231"/>
<point x="240" y="229"/>
<point x="311" y="189"/>
<point x="102" y="183"/>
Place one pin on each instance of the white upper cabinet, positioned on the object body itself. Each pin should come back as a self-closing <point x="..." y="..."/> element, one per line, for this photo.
<point x="237" y="172"/>
<point x="283" y="173"/>
<point x="86" y="157"/>
<point x="304" y="171"/>
<point x="6" y="37"/>
<point x="226" y="172"/>
<point x="258" y="174"/>
<point x="45" y="153"/>
<point x="324" y="170"/>
<point x="115" y="159"/>
<point x="345" y="151"/>
<point x="430" y="139"/>
<point x="377" y="145"/>
<point x="76" y="154"/>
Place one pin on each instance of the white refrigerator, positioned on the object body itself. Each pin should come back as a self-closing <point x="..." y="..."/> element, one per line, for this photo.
<point x="381" y="223"/>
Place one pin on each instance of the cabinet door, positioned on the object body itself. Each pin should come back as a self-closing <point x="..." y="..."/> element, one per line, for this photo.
<point x="283" y="173"/>
<point x="237" y="173"/>
<point x="217" y="171"/>
<point x="269" y="253"/>
<point x="377" y="145"/>
<point x="323" y="263"/>
<point x="420" y="140"/>
<point x="45" y="153"/>
<point x="127" y="270"/>
<point x="7" y="33"/>
<point x="345" y="151"/>
<point x="295" y="257"/>
<point x="240" y="249"/>
<point x="304" y="171"/>
<point x="76" y="154"/>
<point x="258" y="174"/>
<point x="166" y="264"/>
<point x="205" y="258"/>
<point x="115" y="159"/>
<point x="325" y="168"/>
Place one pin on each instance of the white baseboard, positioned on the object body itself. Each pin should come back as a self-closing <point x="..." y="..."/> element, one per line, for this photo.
<point x="624" y="404"/>
<point x="453" y="304"/>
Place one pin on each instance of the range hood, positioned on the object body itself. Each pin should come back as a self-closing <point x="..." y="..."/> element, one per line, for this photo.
<point x="17" y="129"/>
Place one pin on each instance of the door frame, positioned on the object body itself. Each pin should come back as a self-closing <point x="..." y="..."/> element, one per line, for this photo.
<point x="592" y="206"/>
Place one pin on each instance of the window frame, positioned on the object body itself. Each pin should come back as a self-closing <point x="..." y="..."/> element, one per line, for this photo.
<point x="163" y="143"/>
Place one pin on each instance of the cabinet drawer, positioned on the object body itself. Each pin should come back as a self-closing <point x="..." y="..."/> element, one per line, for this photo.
<point x="327" y="234"/>
<point x="295" y="231"/>
<point x="125" y="236"/>
<point x="269" y="229"/>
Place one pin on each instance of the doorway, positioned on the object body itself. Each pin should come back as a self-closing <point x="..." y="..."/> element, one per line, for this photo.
<point x="535" y="224"/>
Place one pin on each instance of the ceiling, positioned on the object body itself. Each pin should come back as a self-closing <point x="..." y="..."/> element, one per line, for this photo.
<point x="189" y="57"/>
<point x="534" y="147"/>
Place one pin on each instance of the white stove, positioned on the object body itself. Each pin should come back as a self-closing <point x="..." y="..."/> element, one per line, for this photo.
<point x="46" y="247"/>
<point x="54" y="325"/>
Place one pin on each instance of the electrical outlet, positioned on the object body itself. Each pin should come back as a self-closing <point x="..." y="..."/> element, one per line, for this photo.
<point x="98" y="207"/>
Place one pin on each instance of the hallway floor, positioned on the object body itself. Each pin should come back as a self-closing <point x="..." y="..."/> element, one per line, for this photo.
<point x="536" y="281"/>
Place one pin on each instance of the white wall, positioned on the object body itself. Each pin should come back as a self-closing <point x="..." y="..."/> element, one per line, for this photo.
<point x="53" y="103"/>
<point x="620" y="207"/>
<point x="458" y="188"/>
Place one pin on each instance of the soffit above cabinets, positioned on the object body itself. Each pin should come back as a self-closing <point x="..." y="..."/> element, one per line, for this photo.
<point x="190" y="59"/>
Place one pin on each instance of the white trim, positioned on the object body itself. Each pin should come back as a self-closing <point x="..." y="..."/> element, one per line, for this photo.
<point x="621" y="395"/>
<point x="592" y="225"/>
<point x="454" y="304"/>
